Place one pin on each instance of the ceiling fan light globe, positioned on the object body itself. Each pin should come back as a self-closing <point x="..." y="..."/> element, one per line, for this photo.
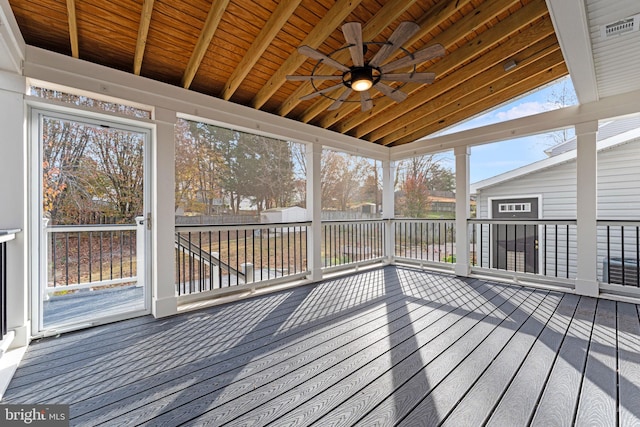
<point x="361" y="85"/>
<point x="361" y="79"/>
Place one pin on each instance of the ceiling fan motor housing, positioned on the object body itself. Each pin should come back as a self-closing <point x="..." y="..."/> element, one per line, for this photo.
<point x="361" y="78"/>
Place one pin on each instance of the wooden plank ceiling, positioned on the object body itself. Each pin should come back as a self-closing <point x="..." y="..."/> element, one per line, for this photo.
<point x="242" y="51"/>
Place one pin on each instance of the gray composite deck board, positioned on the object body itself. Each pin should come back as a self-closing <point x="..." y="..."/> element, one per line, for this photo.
<point x="414" y="389"/>
<point x="518" y="402"/>
<point x="599" y="394"/>
<point x="560" y="397"/>
<point x="481" y="399"/>
<point x="628" y="364"/>
<point x="359" y="370"/>
<point x="389" y="346"/>
<point x="260" y="371"/>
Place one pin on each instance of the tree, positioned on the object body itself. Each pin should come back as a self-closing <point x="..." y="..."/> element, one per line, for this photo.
<point x="562" y="95"/>
<point x="341" y="175"/>
<point x="120" y="171"/>
<point x="416" y="178"/>
<point x="91" y="172"/>
<point x="214" y="163"/>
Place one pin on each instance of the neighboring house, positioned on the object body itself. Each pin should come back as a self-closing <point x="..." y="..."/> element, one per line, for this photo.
<point x="547" y="190"/>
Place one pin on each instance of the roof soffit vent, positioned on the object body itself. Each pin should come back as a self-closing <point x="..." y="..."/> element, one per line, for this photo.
<point x="623" y="26"/>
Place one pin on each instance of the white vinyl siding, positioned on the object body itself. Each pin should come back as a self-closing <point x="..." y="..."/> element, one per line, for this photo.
<point x="618" y="198"/>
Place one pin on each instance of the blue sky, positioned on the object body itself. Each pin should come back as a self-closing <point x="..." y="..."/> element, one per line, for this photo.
<point x="493" y="159"/>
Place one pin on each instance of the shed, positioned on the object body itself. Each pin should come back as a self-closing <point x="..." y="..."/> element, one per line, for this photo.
<point x="547" y="190"/>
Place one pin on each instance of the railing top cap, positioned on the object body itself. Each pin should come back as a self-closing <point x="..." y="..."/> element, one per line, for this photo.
<point x="9" y="231"/>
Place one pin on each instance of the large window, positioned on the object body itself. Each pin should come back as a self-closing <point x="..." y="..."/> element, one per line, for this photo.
<point x="90" y="102"/>
<point x="223" y="175"/>
<point x="425" y="187"/>
<point x="351" y="186"/>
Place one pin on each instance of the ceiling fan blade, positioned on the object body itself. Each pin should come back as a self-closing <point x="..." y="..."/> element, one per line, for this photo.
<point x="338" y="102"/>
<point x="314" y="54"/>
<point x="366" y="103"/>
<point x="399" y="37"/>
<point x="395" y="94"/>
<point x="318" y="92"/>
<point x="410" y="77"/>
<point x="353" y="36"/>
<point x="313" y="77"/>
<point x="423" y="55"/>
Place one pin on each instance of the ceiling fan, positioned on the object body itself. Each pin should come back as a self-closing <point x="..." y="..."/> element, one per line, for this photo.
<point x="362" y="75"/>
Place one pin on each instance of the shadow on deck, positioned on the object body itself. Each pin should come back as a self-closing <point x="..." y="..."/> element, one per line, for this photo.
<point x="392" y="346"/>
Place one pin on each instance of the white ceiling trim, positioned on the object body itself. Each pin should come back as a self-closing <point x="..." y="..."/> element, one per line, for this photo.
<point x="569" y="19"/>
<point x="60" y="69"/>
<point x="12" y="45"/>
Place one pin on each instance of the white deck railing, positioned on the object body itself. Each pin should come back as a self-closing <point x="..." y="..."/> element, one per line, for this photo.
<point x="92" y="256"/>
<point x="212" y="257"/>
<point x="536" y="248"/>
<point x="425" y="241"/>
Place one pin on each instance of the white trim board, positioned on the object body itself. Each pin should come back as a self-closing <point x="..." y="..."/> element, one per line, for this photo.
<point x="569" y="18"/>
<point x="75" y="73"/>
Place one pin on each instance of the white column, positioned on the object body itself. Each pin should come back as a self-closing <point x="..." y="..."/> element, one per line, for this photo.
<point x="14" y="169"/>
<point x="388" y="207"/>
<point x="587" y="208"/>
<point x="164" y="301"/>
<point x="462" y="211"/>
<point x="314" y="211"/>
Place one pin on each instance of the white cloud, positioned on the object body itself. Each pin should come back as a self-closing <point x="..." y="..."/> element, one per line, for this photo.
<point x="524" y="109"/>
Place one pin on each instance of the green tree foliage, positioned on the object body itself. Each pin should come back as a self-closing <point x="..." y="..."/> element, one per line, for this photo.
<point x="215" y="164"/>
<point x="416" y="179"/>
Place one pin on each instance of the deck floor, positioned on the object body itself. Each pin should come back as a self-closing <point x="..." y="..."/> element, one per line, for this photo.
<point x="390" y="346"/>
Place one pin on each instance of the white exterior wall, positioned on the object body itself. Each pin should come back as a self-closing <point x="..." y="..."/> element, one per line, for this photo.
<point x="619" y="182"/>
<point x="556" y="188"/>
<point x="618" y="198"/>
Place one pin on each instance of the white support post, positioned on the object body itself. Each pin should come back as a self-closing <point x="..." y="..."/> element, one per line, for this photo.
<point x="388" y="208"/>
<point x="164" y="302"/>
<point x="314" y="211"/>
<point x="15" y="192"/>
<point x="247" y="269"/>
<point x="215" y="271"/>
<point x="462" y="211"/>
<point x="587" y="209"/>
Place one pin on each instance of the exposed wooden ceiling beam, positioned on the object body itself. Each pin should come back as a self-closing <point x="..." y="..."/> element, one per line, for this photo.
<point x="381" y="20"/>
<point x="518" y="89"/>
<point x="479" y="45"/>
<point x="334" y="17"/>
<point x="440" y="12"/>
<point x="143" y="31"/>
<point x="487" y="97"/>
<point x="483" y="14"/>
<point x="73" y="28"/>
<point x="269" y="31"/>
<point x="208" y="30"/>
<point x="411" y="109"/>
<point x="492" y="78"/>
